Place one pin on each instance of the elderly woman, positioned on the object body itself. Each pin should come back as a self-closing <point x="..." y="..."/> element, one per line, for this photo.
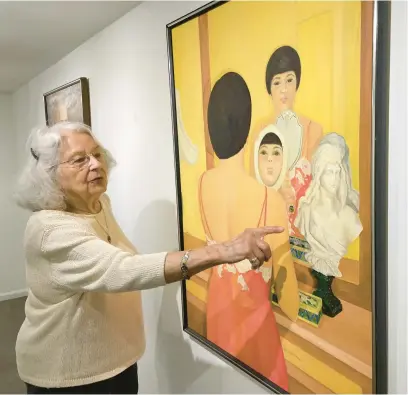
<point x="83" y="331"/>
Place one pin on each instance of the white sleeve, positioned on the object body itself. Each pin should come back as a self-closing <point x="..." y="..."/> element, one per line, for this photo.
<point x="81" y="262"/>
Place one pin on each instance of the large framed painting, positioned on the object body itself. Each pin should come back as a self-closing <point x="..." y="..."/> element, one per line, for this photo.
<point x="280" y="118"/>
<point x="69" y="102"/>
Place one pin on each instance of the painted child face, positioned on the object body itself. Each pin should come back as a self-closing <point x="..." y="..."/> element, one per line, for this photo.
<point x="270" y="159"/>
<point x="283" y="91"/>
<point x="330" y="179"/>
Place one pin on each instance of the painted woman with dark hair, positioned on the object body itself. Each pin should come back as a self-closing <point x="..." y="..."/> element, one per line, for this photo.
<point x="302" y="135"/>
<point x="282" y="79"/>
<point x="240" y="318"/>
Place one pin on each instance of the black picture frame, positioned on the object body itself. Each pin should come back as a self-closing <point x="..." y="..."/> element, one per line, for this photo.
<point x="379" y="168"/>
<point x="74" y="98"/>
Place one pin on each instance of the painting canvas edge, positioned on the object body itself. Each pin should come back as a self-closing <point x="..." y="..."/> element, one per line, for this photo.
<point x="381" y="27"/>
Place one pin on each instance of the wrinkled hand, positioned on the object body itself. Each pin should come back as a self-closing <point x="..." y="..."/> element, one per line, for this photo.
<point x="250" y="245"/>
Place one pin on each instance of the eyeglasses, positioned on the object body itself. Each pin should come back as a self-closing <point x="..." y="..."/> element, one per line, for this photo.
<point x="82" y="161"/>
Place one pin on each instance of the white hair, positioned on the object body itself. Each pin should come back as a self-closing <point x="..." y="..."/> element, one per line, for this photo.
<point x="37" y="187"/>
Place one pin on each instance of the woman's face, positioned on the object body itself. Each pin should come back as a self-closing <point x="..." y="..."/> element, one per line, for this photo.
<point x="270" y="160"/>
<point x="82" y="173"/>
<point x="283" y="91"/>
<point x="330" y="179"/>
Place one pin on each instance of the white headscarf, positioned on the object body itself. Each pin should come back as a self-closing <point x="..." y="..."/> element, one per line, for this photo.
<point x="353" y="197"/>
<point x="326" y="152"/>
<point x="274" y="130"/>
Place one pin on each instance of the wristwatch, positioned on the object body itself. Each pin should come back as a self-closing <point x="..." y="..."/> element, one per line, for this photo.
<point x="183" y="266"/>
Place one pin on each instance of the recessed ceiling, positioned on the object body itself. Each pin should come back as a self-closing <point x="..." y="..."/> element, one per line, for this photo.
<point x="34" y="35"/>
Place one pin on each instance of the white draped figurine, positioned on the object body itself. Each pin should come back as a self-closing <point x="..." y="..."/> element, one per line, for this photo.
<point x="328" y="213"/>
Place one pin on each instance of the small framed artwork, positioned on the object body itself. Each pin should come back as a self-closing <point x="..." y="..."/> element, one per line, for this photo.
<point x="69" y="102"/>
<point x="280" y="114"/>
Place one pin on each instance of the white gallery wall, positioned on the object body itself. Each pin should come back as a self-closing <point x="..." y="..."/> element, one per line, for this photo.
<point x="127" y="66"/>
<point x="12" y="270"/>
<point x="397" y="201"/>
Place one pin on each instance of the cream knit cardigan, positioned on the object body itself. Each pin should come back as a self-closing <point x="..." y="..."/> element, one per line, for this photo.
<point x="84" y="319"/>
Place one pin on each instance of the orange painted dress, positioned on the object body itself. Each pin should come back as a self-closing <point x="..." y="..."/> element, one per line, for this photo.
<point x="240" y="319"/>
<point x="299" y="181"/>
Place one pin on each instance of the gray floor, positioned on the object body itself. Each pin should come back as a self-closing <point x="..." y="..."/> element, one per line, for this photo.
<point x="11" y="318"/>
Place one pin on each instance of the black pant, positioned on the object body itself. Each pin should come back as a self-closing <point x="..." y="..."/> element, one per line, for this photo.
<point x="124" y="383"/>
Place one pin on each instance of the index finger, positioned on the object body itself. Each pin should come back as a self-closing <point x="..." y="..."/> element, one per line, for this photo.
<point x="267" y="230"/>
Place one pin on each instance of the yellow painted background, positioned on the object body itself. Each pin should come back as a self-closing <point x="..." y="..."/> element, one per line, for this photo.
<point x="242" y="36"/>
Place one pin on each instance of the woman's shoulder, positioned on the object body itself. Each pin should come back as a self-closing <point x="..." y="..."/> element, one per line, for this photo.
<point x="50" y="231"/>
<point x="309" y="124"/>
<point x="51" y="218"/>
<point x="44" y="222"/>
<point x="106" y="199"/>
<point x="351" y="215"/>
<point x="44" y="219"/>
